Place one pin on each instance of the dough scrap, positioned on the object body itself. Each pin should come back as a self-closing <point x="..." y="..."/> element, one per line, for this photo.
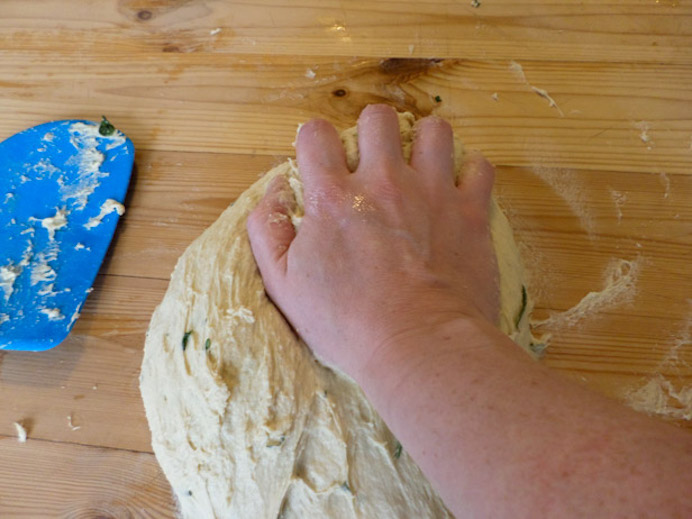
<point x="245" y="422"/>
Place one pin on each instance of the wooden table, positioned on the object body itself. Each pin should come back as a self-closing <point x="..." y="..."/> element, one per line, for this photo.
<point x="585" y="107"/>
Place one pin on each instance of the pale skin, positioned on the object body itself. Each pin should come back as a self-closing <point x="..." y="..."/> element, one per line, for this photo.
<point x="392" y="278"/>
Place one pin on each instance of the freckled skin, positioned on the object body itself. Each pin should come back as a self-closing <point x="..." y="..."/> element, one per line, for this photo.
<point x="411" y="286"/>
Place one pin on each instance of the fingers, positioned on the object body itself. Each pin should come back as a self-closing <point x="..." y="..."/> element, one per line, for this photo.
<point x="271" y="231"/>
<point x="476" y="179"/>
<point x="432" y="154"/>
<point x="320" y="153"/>
<point x="379" y="141"/>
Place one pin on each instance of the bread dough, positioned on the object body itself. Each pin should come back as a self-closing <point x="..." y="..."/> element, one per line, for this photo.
<point x="245" y="422"/>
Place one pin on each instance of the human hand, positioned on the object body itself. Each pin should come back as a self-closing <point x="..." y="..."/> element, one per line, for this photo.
<point x="390" y="250"/>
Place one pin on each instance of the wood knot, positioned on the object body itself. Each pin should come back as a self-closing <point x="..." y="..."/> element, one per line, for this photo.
<point x="144" y="15"/>
<point x="339" y="92"/>
<point x="171" y="48"/>
<point x="407" y="68"/>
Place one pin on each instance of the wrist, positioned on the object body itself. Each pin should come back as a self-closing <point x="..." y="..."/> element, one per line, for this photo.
<point x="394" y="360"/>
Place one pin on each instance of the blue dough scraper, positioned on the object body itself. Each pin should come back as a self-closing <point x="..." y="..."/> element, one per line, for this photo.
<point x="62" y="186"/>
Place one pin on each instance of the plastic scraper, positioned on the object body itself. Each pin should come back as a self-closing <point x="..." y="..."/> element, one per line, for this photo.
<point x="62" y="187"/>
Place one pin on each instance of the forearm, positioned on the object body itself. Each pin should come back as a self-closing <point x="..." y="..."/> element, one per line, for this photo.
<point x="499" y="435"/>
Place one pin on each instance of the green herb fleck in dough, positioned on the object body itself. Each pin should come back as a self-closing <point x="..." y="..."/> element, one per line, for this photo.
<point x="538" y="348"/>
<point x="276" y="442"/>
<point x="345" y="487"/>
<point x="397" y="451"/>
<point x="207" y="344"/>
<point x="438" y="99"/>
<point x="524" y="300"/>
<point x="186" y="336"/>
<point x="106" y="128"/>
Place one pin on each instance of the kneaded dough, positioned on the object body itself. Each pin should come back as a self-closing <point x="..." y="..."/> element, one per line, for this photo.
<point x="245" y="422"/>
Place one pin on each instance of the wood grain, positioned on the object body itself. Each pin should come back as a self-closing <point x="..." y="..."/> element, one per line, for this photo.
<point x="627" y="31"/>
<point x="46" y="479"/>
<point x="212" y="92"/>
<point x="253" y="105"/>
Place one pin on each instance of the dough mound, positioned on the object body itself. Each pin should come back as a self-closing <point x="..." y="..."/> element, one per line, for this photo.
<point x="245" y="422"/>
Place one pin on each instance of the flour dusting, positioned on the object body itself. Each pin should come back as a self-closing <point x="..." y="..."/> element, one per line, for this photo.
<point x="659" y="397"/>
<point x="518" y="71"/>
<point x="567" y="186"/>
<point x="619" y="199"/>
<point x="665" y="180"/>
<point x="644" y="127"/>
<point x="619" y="287"/>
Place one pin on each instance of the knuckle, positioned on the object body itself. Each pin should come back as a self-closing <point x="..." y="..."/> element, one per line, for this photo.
<point x="386" y="188"/>
<point x="476" y="218"/>
<point x="328" y="194"/>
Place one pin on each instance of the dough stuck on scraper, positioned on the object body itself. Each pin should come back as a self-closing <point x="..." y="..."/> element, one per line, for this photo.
<point x="245" y="422"/>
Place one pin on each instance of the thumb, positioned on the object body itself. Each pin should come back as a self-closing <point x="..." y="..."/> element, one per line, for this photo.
<point x="271" y="231"/>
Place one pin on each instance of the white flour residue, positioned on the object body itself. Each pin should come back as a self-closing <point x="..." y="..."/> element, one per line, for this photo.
<point x="242" y="313"/>
<point x="310" y="74"/>
<point x="518" y="71"/>
<point x="681" y="340"/>
<point x="658" y="396"/>
<point x="666" y="184"/>
<point x="566" y="184"/>
<point x="85" y="138"/>
<point x="21" y="432"/>
<point x="619" y="199"/>
<point x="71" y="424"/>
<point x="53" y="223"/>
<point x="41" y="271"/>
<point x="107" y="208"/>
<point x="644" y="127"/>
<point x="54" y="314"/>
<point x="8" y="275"/>
<point x="619" y="287"/>
<point x="47" y="290"/>
<point x="42" y="169"/>
<point x="545" y="95"/>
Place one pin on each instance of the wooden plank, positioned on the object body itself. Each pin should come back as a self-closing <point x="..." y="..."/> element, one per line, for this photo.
<point x="629" y="31"/>
<point x="175" y="196"/>
<point x="92" y="377"/>
<point x="43" y="479"/>
<point x="616" y="116"/>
